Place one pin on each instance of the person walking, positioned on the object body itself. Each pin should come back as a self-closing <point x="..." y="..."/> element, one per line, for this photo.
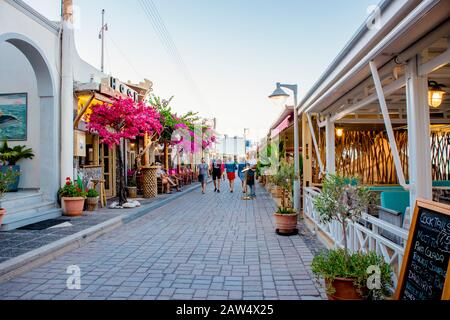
<point x="222" y="168"/>
<point x="231" y="168"/>
<point x="241" y="166"/>
<point x="203" y="173"/>
<point x="251" y="173"/>
<point x="217" y="174"/>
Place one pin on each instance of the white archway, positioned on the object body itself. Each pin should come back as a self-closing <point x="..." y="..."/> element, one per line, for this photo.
<point x="49" y="112"/>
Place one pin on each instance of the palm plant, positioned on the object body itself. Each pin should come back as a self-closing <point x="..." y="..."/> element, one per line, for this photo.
<point x="13" y="155"/>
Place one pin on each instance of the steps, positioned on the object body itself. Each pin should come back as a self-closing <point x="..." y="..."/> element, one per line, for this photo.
<point x="25" y="208"/>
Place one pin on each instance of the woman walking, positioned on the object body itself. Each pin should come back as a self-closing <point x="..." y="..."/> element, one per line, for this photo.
<point x="203" y="171"/>
<point x="231" y="167"/>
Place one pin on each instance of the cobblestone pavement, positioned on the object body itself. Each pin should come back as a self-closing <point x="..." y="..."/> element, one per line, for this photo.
<point x="17" y="242"/>
<point x="213" y="246"/>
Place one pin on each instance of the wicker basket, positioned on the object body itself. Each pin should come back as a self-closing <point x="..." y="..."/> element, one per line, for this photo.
<point x="150" y="183"/>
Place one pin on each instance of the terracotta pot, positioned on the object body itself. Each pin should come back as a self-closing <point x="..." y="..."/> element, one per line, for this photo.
<point x="286" y="223"/>
<point x="92" y="203"/>
<point x="2" y="215"/>
<point x="344" y="290"/>
<point x="132" y="192"/>
<point x="73" y="207"/>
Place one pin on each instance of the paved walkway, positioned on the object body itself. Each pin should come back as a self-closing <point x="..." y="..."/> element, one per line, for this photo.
<point x="213" y="246"/>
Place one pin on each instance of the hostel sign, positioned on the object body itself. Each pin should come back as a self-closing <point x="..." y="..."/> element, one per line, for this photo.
<point x="117" y="89"/>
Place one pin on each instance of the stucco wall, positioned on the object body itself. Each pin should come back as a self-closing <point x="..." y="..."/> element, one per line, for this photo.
<point x="17" y="76"/>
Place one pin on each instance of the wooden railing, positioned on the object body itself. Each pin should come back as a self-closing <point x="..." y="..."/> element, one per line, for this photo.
<point x="363" y="236"/>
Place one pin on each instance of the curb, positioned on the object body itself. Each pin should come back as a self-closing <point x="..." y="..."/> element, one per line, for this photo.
<point x="35" y="258"/>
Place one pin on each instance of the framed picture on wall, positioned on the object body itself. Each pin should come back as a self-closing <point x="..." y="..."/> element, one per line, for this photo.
<point x="13" y="117"/>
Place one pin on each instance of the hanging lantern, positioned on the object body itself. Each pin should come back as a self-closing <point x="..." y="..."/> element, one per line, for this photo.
<point x="339" y="132"/>
<point x="435" y="94"/>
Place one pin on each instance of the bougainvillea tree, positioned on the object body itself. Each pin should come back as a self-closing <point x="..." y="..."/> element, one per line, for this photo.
<point x="124" y="119"/>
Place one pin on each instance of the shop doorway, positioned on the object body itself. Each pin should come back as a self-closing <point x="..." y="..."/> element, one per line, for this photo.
<point x="108" y="162"/>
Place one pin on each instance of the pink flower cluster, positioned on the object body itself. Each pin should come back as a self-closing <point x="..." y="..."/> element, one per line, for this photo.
<point x="123" y="119"/>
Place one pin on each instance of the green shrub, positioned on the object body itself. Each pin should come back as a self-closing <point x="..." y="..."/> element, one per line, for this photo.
<point x="334" y="264"/>
<point x="92" y="193"/>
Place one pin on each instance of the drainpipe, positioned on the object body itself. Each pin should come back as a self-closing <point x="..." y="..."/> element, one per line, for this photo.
<point x="67" y="100"/>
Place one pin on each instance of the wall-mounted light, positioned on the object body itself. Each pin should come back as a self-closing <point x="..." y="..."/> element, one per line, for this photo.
<point x="339" y="132"/>
<point x="435" y="94"/>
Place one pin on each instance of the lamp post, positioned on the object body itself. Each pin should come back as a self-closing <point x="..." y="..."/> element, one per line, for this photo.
<point x="246" y="131"/>
<point x="280" y="96"/>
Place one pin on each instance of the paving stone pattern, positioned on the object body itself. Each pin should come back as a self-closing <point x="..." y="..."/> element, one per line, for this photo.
<point x="200" y="247"/>
<point x="17" y="242"/>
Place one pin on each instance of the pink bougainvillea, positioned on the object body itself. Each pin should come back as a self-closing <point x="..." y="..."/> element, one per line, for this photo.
<point x="123" y="119"/>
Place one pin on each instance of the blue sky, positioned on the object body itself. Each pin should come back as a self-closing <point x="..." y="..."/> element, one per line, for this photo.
<point x="235" y="50"/>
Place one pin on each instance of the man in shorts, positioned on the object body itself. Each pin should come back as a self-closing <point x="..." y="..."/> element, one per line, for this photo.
<point x="203" y="171"/>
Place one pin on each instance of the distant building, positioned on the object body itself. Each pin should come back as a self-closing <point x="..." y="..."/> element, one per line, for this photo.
<point x="227" y="146"/>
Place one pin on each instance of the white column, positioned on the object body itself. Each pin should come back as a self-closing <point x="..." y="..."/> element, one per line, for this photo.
<point x="67" y="101"/>
<point x="296" y="161"/>
<point x="330" y="145"/>
<point x="418" y="133"/>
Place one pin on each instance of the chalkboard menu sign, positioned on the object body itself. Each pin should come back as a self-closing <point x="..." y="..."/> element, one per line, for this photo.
<point x="425" y="273"/>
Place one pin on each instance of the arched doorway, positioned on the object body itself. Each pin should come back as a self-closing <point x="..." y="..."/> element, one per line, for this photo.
<point x="49" y="167"/>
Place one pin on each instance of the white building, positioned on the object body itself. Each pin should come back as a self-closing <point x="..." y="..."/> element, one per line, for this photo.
<point x="227" y="146"/>
<point x="30" y="65"/>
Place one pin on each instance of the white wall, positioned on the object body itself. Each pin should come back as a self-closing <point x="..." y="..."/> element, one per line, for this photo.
<point x="17" y="76"/>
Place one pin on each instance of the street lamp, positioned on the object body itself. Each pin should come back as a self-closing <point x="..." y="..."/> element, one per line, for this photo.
<point x="280" y="96"/>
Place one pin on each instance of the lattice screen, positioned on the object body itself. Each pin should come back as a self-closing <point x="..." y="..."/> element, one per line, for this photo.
<point x="367" y="155"/>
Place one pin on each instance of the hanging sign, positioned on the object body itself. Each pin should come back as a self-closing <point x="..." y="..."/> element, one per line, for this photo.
<point x="115" y="88"/>
<point x="425" y="273"/>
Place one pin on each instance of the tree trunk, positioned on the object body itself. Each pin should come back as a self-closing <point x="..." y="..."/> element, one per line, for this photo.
<point x="166" y="156"/>
<point x="122" y="191"/>
<point x="344" y="229"/>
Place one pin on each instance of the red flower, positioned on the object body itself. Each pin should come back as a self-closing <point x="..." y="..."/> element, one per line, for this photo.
<point x="68" y="183"/>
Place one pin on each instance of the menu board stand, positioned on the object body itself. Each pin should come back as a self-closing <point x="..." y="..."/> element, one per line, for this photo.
<point x="425" y="272"/>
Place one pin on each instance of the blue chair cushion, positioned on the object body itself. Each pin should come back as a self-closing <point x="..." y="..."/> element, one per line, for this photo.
<point x="395" y="200"/>
<point x="444" y="183"/>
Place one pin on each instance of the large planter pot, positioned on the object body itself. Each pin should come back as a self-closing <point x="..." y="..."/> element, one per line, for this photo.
<point x="13" y="187"/>
<point x="2" y="215"/>
<point x="344" y="290"/>
<point x="92" y="203"/>
<point x="73" y="207"/>
<point x="286" y="223"/>
<point x="132" y="192"/>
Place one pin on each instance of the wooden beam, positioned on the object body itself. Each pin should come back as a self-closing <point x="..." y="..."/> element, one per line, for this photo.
<point x="83" y="110"/>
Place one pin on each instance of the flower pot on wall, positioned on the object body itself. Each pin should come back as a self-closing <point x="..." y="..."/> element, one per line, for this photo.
<point x="344" y="289"/>
<point x="13" y="187"/>
<point x="73" y="207"/>
<point x="92" y="203"/>
<point x="2" y="215"/>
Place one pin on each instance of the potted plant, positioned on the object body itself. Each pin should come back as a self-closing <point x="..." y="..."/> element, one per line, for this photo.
<point x="132" y="184"/>
<point x="92" y="200"/>
<point x="72" y="198"/>
<point x="10" y="157"/>
<point x="285" y="217"/>
<point x="345" y="200"/>
<point x="286" y="221"/>
<point x="6" y="178"/>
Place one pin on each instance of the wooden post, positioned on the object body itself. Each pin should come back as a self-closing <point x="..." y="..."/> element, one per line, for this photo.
<point x="166" y="156"/>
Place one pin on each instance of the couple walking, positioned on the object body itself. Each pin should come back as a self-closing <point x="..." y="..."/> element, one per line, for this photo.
<point x="205" y="171"/>
<point x="219" y="168"/>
